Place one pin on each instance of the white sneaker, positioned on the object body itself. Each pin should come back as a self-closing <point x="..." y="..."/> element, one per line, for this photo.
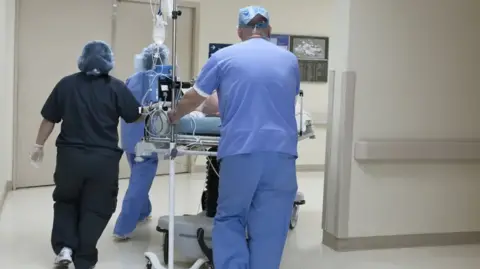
<point x="121" y="238"/>
<point x="64" y="258"/>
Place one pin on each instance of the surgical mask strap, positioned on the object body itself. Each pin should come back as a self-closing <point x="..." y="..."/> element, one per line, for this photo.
<point x="256" y="35"/>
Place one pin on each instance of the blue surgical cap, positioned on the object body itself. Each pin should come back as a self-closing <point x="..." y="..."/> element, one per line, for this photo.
<point x="247" y="14"/>
<point x="96" y="58"/>
<point x="154" y="55"/>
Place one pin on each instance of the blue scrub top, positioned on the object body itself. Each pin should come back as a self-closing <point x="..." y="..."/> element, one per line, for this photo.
<point x="257" y="84"/>
<point x="138" y="84"/>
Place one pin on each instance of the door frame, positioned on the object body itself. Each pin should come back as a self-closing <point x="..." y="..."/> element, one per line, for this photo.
<point x="16" y="98"/>
<point x="15" y="166"/>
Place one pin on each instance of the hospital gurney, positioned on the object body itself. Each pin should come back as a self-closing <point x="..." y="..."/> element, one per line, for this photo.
<point x="201" y="136"/>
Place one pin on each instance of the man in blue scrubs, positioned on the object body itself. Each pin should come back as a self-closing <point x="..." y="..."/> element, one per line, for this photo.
<point x="257" y="85"/>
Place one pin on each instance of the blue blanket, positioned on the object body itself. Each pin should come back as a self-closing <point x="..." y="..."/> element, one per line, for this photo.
<point x="199" y="126"/>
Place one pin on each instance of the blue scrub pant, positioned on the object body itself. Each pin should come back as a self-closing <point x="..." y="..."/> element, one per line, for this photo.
<point x="136" y="203"/>
<point x="256" y="193"/>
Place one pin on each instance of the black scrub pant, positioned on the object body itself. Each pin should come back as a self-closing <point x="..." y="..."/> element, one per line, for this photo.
<point x="85" y="198"/>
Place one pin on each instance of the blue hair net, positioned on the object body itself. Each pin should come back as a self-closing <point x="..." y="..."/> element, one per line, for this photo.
<point x="153" y="55"/>
<point x="96" y="58"/>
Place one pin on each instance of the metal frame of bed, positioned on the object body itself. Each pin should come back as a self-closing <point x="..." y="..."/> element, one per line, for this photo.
<point x="194" y="144"/>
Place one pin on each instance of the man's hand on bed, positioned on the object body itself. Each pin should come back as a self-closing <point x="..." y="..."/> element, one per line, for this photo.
<point x="190" y="101"/>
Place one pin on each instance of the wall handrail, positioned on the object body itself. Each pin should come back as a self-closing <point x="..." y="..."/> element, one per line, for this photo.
<point x="394" y="150"/>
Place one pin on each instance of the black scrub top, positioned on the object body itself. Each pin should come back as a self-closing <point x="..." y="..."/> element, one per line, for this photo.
<point x="89" y="108"/>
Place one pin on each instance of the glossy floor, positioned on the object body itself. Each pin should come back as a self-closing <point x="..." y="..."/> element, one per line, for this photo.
<point x="27" y="215"/>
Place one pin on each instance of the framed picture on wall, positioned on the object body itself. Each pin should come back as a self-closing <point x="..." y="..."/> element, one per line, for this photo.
<point x="313" y="71"/>
<point x="312" y="54"/>
<point x="283" y="41"/>
<point x="309" y="48"/>
<point x="214" y="47"/>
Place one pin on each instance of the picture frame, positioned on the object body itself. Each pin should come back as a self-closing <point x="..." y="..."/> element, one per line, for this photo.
<point x="310" y="48"/>
<point x="281" y="40"/>
<point x="214" y="47"/>
<point x="313" y="71"/>
<point x="312" y="53"/>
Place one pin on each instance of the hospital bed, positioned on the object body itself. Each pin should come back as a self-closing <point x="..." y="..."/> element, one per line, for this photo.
<point x="199" y="136"/>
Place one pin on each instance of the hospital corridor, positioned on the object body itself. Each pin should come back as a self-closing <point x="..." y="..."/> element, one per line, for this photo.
<point x="207" y="134"/>
<point x="26" y="222"/>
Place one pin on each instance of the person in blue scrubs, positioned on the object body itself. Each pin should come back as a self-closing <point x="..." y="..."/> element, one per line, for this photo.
<point x="136" y="205"/>
<point x="257" y="85"/>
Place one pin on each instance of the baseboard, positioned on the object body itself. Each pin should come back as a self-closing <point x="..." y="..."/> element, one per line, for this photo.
<point x="319" y="124"/>
<point x="319" y="119"/>
<point x="400" y="241"/>
<point x="6" y="189"/>
<point x="300" y="168"/>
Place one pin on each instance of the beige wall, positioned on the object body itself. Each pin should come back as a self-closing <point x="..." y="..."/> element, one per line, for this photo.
<point x="218" y="23"/>
<point x="311" y="152"/>
<point x="7" y="29"/>
<point x="416" y="66"/>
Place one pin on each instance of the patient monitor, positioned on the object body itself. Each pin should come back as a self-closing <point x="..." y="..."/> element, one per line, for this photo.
<point x="163" y="85"/>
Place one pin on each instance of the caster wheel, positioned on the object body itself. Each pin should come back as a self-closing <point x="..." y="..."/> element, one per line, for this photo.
<point x="165" y="248"/>
<point x="294" y="218"/>
<point x="152" y="261"/>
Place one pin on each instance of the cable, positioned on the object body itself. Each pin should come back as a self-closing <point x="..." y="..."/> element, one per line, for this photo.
<point x="154" y="63"/>
<point x="157" y="124"/>
<point x="154" y="5"/>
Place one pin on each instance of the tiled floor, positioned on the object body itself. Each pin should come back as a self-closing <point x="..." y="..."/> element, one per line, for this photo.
<point x="26" y="222"/>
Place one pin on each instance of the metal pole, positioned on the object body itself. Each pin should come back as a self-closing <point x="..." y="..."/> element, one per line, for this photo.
<point x="113" y="35"/>
<point x="301" y="112"/>
<point x="174" y="65"/>
<point x="171" y="181"/>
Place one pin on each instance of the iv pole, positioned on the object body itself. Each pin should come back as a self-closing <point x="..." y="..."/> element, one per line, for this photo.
<point x="171" y="181"/>
<point x="152" y="259"/>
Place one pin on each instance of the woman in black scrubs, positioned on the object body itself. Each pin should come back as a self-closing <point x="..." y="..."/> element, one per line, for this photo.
<point x="88" y="105"/>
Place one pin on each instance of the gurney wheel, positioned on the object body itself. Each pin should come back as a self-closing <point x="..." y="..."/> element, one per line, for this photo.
<point x="165" y="248"/>
<point x="294" y="218"/>
<point x="152" y="261"/>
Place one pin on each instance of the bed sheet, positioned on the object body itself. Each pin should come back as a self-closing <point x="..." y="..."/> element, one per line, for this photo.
<point x="199" y="126"/>
<point x="211" y="125"/>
